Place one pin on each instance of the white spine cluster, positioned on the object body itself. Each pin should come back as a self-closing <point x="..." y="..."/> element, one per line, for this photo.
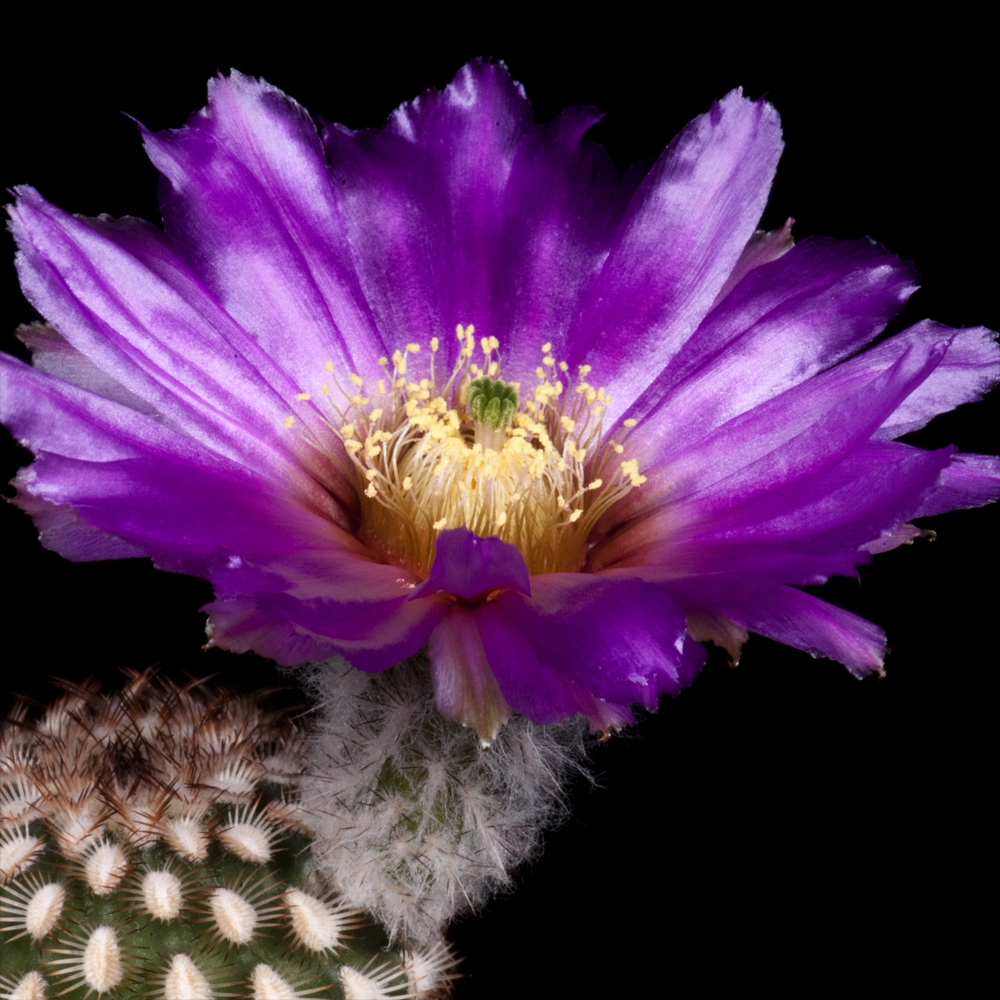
<point x="412" y="821"/>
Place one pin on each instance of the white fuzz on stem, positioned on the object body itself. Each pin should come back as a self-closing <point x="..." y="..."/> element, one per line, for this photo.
<point x="95" y="962"/>
<point x="102" y="960"/>
<point x="184" y="981"/>
<point x="18" y="850"/>
<point x="235" y="781"/>
<point x="235" y="919"/>
<point x="18" y="794"/>
<point x="249" y="836"/>
<point x="187" y="835"/>
<point x="104" y="867"/>
<point x="162" y="894"/>
<point x="412" y="821"/>
<point x="384" y="982"/>
<point x="42" y="913"/>
<point x="29" y="987"/>
<point x="268" y="985"/>
<point x="32" y="906"/>
<point x="316" y="925"/>
<point x="429" y="970"/>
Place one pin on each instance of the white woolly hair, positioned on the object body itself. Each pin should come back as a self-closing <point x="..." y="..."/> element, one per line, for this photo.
<point x="413" y="822"/>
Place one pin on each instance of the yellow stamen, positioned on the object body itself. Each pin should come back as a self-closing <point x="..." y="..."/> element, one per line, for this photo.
<point x="540" y="481"/>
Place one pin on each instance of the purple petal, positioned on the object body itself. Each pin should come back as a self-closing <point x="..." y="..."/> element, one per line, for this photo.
<point x="705" y="624"/>
<point x="969" y="369"/>
<point x="419" y="206"/>
<point x="464" y="686"/>
<point x="248" y="201"/>
<point x="902" y="534"/>
<point x="467" y="565"/>
<point x="117" y="293"/>
<point x="761" y="248"/>
<point x="623" y="640"/>
<point x="390" y="209"/>
<point x="470" y="132"/>
<point x="803" y="432"/>
<point x="532" y="683"/>
<point x="562" y="205"/>
<point x="969" y="481"/>
<point x="133" y="477"/>
<point x="798" y="619"/>
<point x="239" y="625"/>
<point x="52" y="353"/>
<point x="784" y="323"/>
<point x="553" y="220"/>
<point x="801" y="532"/>
<point x="61" y="529"/>
<point x="681" y="238"/>
<point x="360" y="614"/>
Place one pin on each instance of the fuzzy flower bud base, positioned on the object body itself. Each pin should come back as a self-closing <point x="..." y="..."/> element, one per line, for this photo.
<point x="412" y="820"/>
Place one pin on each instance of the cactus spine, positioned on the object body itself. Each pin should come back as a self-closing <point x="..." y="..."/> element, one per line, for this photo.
<point x="153" y="844"/>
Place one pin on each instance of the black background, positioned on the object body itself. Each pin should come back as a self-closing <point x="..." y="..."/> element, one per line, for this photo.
<point x="780" y="825"/>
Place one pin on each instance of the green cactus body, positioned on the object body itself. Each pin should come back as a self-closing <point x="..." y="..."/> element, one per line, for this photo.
<point x="152" y="845"/>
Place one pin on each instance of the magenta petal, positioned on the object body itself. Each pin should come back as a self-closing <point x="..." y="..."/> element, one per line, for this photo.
<point x="562" y="206"/>
<point x="968" y="370"/>
<point x="470" y="132"/>
<point x="969" y="481"/>
<point x="761" y="248"/>
<point x="247" y="200"/>
<point x="783" y="323"/>
<point x="798" y="619"/>
<point x="467" y="565"/>
<point x="61" y="528"/>
<point x="464" y="686"/>
<point x="622" y="640"/>
<point x="683" y="234"/>
<point x="530" y="681"/>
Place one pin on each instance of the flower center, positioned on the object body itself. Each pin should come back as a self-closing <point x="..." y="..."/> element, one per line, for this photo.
<point x="474" y="453"/>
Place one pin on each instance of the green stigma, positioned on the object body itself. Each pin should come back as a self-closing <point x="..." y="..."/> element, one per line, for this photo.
<point x="492" y="402"/>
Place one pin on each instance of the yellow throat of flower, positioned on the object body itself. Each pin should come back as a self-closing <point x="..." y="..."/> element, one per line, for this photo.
<point x="473" y="453"/>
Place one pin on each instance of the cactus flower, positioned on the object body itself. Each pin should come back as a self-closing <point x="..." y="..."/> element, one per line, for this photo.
<point x="454" y="383"/>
